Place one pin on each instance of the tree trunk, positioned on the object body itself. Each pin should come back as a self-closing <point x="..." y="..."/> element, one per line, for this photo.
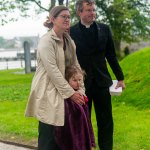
<point x="118" y="47"/>
<point x="52" y="4"/>
<point x="67" y="2"/>
<point x="61" y="2"/>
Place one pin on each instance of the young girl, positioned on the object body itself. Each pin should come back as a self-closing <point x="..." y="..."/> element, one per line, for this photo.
<point x="77" y="132"/>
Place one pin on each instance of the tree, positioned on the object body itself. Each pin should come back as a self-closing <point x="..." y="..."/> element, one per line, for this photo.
<point x="8" y="7"/>
<point x="2" y="42"/>
<point x="129" y="20"/>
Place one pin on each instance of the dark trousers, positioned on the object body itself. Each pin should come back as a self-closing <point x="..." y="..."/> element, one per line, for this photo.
<point x="46" y="138"/>
<point x="103" y="109"/>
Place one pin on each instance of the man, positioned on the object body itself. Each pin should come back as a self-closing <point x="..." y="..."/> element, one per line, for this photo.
<point x="94" y="45"/>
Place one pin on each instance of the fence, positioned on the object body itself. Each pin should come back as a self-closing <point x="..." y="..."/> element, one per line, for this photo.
<point x="15" y="64"/>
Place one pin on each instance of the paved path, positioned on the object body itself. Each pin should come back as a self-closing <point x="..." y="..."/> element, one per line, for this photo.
<point x="4" y="146"/>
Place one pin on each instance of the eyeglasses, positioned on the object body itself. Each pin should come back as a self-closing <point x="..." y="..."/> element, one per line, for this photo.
<point x="65" y="17"/>
<point x="90" y="10"/>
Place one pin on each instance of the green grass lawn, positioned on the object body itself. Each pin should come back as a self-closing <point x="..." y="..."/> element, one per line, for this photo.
<point x="131" y="128"/>
<point x="131" y="110"/>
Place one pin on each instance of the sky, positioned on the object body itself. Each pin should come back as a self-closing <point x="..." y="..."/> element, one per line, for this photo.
<point x="32" y="26"/>
<point x="28" y="27"/>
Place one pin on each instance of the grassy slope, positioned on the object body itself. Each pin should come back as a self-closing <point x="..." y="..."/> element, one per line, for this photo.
<point x="136" y="68"/>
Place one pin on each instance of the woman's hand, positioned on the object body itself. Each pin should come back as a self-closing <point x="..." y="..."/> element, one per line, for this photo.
<point x="78" y="98"/>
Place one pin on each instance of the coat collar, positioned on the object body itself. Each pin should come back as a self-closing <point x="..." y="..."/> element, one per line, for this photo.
<point x="52" y="33"/>
<point x="54" y="36"/>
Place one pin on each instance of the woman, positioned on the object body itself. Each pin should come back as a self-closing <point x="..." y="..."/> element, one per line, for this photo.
<point x="49" y="88"/>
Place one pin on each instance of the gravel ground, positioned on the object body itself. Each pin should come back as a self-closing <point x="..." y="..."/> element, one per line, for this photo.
<point x="4" y="146"/>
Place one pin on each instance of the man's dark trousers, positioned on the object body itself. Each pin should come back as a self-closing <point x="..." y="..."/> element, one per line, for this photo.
<point x="102" y="103"/>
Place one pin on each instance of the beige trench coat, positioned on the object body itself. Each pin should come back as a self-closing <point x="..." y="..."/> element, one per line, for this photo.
<point x="49" y="88"/>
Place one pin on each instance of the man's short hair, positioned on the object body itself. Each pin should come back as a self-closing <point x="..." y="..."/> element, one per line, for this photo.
<point x="79" y="4"/>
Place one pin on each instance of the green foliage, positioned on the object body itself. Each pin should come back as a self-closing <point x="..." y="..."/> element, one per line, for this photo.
<point x="74" y="18"/>
<point x="9" y="7"/>
<point x="2" y="42"/>
<point x="6" y="44"/>
<point x="129" y="20"/>
<point x="22" y="7"/>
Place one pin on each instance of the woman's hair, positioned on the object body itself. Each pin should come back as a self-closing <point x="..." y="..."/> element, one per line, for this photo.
<point x="54" y="12"/>
<point x="71" y="71"/>
<point x="79" y="4"/>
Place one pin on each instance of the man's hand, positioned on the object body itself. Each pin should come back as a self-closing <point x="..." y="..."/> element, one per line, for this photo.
<point x="120" y="84"/>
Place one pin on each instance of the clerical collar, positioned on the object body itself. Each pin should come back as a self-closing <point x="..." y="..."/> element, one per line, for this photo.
<point x="87" y="26"/>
